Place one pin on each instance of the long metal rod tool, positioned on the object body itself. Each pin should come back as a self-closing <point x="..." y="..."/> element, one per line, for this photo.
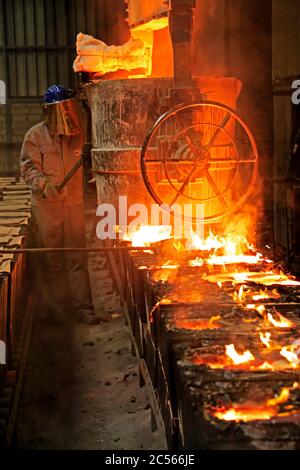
<point x="74" y="249"/>
<point x="69" y="175"/>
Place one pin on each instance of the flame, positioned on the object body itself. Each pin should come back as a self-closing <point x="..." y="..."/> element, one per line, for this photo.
<point x="260" y="296"/>
<point x="282" y="397"/>
<point x="235" y="249"/>
<point x="240" y="277"/>
<point x="236" y="357"/>
<point x="240" y="295"/>
<point x="266" y="295"/>
<point x="235" y="259"/>
<point x="265" y="339"/>
<point x="281" y="323"/>
<point x="243" y="413"/>
<point x="196" y="262"/>
<point x="212" y="242"/>
<point x="266" y="366"/>
<point x="250" y="411"/>
<point x="168" y="265"/>
<point x="267" y="278"/>
<point x="214" y="318"/>
<point x="260" y="308"/>
<point x="290" y="356"/>
<point x="147" y="234"/>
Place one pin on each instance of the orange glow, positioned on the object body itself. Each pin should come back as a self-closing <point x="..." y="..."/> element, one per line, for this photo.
<point x="140" y="55"/>
<point x="290" y="356"/>
<point x="260" y="296"/>
<point x="169" y="266"/>
<point x="282" y="322"/>
<point x="240" y="295"/>
<point x="266" y="366"/>
<point x="266" y="351"/>
<point x="163" y="275"/>
<point x="250" y="306"/>
<point x="265" y="339"/>
<point x="251" y="411"/>
<point x="236" y="357"/>
<point x="232" y="248"/>
<point x="201" y="324"/>
<point x="282" y="397"/>
<point x="244" y="413"/>
<point x="94" y="56"/>
<point x="267" y="278"/>
<point x="196" y="262"/>
<point x="147" y="234"/>
<point x="247" y="361"/>
<point x="260" y="309"/>
<point x="235" y="259"/>
<point x="212" y="242"/>
<point x="182" y="293"/>
<point x="266" y="295"/>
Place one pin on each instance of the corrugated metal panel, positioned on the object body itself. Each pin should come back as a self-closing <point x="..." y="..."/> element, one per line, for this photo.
<point x="286" y="38"/>
<point x="37" y="41"/>
<point x="2" y="59"/>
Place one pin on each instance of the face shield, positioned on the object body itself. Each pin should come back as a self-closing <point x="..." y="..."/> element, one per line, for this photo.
<point x="63" y="117"/>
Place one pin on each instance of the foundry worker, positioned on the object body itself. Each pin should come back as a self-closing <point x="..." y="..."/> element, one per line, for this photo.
<point x="50" y="149"/>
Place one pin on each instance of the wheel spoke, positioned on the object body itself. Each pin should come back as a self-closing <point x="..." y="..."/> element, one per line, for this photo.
<point x="230" y="145"/>
<point x="189" y="140"/>
<point x="211" y="160"/>
<point x="172" y="160"/>
<point x="215" y="188"/>
<point x="216" y="133"/>
<point x="228" y="160"/>
<point x="184" y="184"/>
<point x="222" y="160"/>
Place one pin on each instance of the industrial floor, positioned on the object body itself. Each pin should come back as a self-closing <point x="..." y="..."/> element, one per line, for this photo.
<point x="81" y="387"/>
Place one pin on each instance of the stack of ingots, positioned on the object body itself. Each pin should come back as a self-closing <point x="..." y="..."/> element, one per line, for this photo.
<point x="15" y="220"/>
<point x="15" y="213"/>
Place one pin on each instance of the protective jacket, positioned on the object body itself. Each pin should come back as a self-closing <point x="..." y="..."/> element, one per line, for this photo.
<point x="44" y="157"/>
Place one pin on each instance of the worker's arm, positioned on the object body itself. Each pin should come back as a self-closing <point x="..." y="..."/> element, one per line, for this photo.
<point x="31" y="165"/>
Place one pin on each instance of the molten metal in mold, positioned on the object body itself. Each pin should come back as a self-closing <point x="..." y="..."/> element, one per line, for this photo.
<point x="251" y="411"/>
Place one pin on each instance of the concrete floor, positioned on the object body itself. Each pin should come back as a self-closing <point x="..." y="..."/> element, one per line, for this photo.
<point x="81" y="387"/>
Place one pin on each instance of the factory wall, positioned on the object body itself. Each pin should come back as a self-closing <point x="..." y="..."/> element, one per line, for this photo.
<point x="286" y="69"/>
<point x="37" y="48"/>
<point x="21" y="117"/>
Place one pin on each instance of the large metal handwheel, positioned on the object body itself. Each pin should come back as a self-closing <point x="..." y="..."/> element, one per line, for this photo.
<point x="200" y="153"/>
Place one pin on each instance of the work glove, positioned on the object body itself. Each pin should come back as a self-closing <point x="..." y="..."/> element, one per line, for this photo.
<point x="50" y="191"/>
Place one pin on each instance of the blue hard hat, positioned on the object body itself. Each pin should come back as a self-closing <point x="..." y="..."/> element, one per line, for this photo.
<point x="56" y="93"/>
